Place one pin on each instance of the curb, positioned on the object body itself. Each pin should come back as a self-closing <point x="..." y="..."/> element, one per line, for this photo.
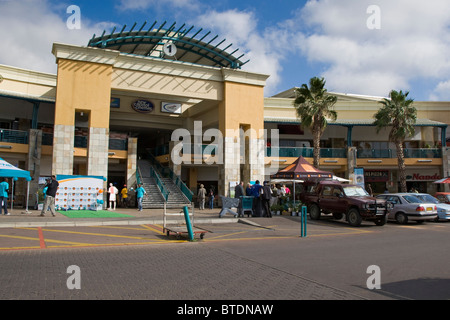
<point x="85" y="223"/>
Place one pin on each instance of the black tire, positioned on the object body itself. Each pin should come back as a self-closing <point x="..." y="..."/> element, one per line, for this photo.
<point x="401" y="218"/>
<point x="354" y="218"/>
<point x="381" y="222"/>
<point x="314" y="212"/>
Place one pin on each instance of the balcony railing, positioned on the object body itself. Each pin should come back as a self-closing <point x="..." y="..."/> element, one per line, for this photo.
<point x="13" y="136"/>
<point x="82" y="142"/>
<point x="305" y="152"/>
<point x="392" y="153"/>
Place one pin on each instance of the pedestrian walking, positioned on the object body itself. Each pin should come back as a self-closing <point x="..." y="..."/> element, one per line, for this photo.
<point x="4" y="186"/>
<point x="112" y="190"/>
<point x="52" y="188"/>
<point x="140" y="192"/>
<point x="201" y="197"/>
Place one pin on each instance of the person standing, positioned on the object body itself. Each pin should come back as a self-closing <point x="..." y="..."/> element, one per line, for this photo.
<point x="52" y="188"/>
<point x="124" y="193"/>
<point x="4" y="186"/>
<point x="238" y="193"/>
<point x="211" y="197"/>
<point x="140" y="192"/>
<point x="257" y="204"/>
<point x="112" y="190"/>
<point x="266" y="196"/>
<point x="201" y="197"/>
<point x="369" y="190"/>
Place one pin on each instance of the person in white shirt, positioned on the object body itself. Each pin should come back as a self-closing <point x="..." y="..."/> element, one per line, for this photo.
<point x="113" y="191"/>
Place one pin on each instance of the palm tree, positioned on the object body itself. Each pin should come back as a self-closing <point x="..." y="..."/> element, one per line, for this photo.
<point x="398" y="113"/>
<point x="313" y="106"/>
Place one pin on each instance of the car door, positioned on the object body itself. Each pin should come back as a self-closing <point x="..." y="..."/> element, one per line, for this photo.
<point x="327" y="199"/>
<point x="340" y="201"/>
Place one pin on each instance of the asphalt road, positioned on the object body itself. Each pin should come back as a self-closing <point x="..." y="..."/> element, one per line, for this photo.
<point x="238" y="261"/>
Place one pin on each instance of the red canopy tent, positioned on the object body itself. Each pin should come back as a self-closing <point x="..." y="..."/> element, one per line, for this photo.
<point x="301" y="169"/>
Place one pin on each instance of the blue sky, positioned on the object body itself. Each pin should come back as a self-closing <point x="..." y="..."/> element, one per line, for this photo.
<point x="402" y="45"/>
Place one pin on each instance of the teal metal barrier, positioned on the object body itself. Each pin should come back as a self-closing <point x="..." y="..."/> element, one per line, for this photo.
<point x="188" y="224"/>
<point x="164" y="192"/>
<point x="303" y="222"/>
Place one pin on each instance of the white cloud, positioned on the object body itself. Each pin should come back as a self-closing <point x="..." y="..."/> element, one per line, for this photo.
<point x="441" y="92"/>
<point x="264" y="48"/>
<point x="32" y="27"/>
<point x="146" y="4"/>
<point x="413" y="43"/>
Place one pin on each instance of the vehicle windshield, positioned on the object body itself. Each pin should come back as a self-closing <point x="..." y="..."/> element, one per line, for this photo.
<point x="412" y="199"/>
<point x="427" y="198"/>
<point x="355" y="191"/>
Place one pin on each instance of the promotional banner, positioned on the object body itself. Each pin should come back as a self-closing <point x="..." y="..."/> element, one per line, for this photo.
<point x="79" y="193"/>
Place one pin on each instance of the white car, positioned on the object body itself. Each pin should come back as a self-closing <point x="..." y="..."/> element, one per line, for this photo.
<point x="407" y="206"/>
<point x="443" y="209"/>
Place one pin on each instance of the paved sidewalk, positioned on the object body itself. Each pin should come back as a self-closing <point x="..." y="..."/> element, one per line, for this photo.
<point x="21" y="218"/>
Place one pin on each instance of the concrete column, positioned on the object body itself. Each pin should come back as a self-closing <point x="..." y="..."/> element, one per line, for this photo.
<point x="97" y="153"/>
<point x="34" y="162"/>
<point x="63" y="139"/>
<point x="445" y="167"/>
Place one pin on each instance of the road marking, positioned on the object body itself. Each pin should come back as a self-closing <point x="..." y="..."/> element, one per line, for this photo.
<point x="95" y="234"/>
<point x="151" y="227"/>
<point x="41" y="238"/>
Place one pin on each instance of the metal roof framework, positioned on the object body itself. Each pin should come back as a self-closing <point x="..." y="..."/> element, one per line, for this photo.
<point x="150" y="43"/>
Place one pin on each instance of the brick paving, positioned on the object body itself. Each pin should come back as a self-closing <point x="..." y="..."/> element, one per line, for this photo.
<point x="190" y="271"/>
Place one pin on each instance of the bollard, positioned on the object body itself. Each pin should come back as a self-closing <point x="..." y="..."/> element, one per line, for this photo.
<point x="188" y="224"/>
<point x="303" y="222"/>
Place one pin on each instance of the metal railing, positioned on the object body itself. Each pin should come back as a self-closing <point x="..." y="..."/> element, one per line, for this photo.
<point x="432" y="153"/>
<point x="306" y="152"/>
<point x="166" y="171"/>
<point x="13" y="136"/>
<point x="164" y="192"/>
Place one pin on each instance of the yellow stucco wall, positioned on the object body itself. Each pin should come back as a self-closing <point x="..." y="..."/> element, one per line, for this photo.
<point x="243" y="104"/>
<point x="83" y="86"/>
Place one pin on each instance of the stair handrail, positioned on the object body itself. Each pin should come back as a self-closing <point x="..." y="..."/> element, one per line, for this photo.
<point x="164" y="192"/>
<point x="175" y="178"/>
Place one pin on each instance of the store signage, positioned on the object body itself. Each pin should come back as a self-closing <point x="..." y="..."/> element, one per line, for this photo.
<point x="376" y="175"/>
<point x="170" y="107"/>
<point x="142" y="106"/>
<point x="423" y="177"/>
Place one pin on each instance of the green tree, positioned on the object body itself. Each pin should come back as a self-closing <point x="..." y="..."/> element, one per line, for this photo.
<point x="398" y="113"/>
<point x="314" y="106"/>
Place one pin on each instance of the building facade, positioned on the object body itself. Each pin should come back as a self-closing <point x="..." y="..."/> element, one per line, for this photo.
<point x="175" y="98"/>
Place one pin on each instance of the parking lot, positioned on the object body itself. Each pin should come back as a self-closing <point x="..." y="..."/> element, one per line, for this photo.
<point x="247" y="229"/>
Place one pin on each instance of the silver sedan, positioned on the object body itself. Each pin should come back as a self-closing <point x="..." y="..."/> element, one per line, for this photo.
<point x="443" y="209"/>
<point x="408" y="207"/>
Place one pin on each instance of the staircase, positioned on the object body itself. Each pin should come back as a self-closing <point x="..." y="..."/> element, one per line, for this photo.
<point x="176" y="198"/>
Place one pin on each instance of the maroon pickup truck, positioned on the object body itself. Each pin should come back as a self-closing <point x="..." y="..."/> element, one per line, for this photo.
<point x="333" y="197"/>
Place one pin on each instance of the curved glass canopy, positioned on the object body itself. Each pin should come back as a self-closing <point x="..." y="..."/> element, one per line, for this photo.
<point x="170" y="43"/>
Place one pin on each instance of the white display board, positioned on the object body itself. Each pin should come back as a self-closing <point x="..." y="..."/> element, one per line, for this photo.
<point x="79" y="193"/>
